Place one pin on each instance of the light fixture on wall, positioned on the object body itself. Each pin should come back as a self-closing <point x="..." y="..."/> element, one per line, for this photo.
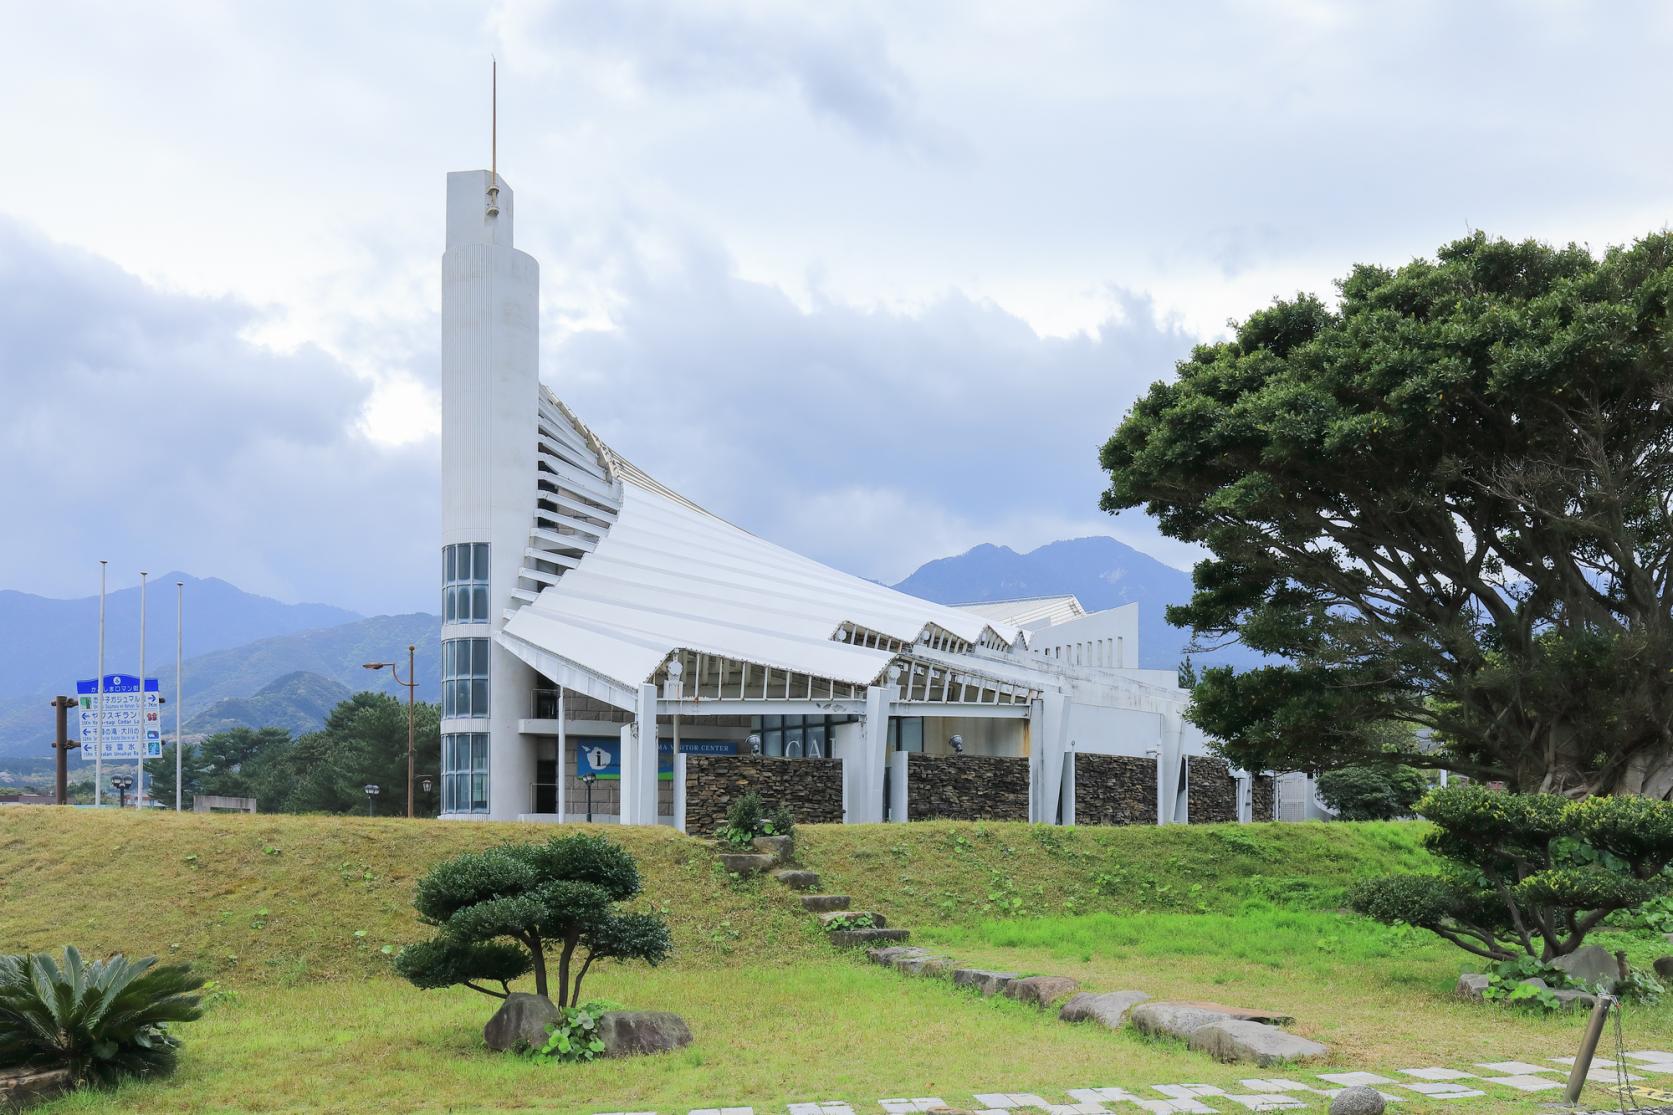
<point x="957" y="744"/>
<point x="754" y="741"/>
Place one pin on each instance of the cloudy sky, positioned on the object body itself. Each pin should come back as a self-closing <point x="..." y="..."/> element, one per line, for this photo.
<point x="873" y="280"/>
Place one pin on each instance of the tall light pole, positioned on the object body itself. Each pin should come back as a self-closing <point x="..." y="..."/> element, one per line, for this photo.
<point x="179" y="709"/>
<point x="412" y="696"/>
<point x="99" y="751"/>
<point x="144" y="705"/>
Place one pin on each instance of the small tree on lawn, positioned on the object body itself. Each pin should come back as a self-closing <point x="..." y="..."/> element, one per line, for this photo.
<point x="1527" y="873"/>
<point x="1372" y="793"/>
<point x="503" y="912"/>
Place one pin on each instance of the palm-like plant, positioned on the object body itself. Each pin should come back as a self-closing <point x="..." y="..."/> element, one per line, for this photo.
<point x="102" y="1021"/>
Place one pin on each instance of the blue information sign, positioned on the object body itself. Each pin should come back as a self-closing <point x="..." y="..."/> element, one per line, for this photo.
<point x="601" y="756"/>
<point x="133" y="723"/>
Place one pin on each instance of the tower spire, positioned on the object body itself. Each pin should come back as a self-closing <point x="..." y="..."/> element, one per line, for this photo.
<point x="493" y="206"/>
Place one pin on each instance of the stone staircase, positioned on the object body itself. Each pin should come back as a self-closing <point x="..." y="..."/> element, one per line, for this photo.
<point x="844" y="927"/>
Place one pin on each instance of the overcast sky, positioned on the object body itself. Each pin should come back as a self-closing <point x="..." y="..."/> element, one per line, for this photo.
<point x="871" y="280"/>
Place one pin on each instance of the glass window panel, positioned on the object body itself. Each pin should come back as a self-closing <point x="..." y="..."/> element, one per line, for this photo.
<point x="479" y="570"/>
<point x="771" y="721"/>
<point x="479" y="793"/>
<point x="479" y="604"/>
<point x="772" y="742"/>
<point x="479" y="753"/>
<point x="813" y="743"/>
<point x="479" y="698"/>
<point x="912" y="733"/>
<point x="479" y="658"/>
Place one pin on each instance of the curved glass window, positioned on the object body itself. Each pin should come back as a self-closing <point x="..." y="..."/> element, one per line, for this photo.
<point x="464" y="576"/>
<point x="464" y="678"/>
<point x="464" y="772"/>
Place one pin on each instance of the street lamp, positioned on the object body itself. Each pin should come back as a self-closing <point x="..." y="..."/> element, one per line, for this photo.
<point x="589" y="778"/>
<point x="957" y="744"/>
<point x="122" y="783"/>
<point x="371" y="796"/>
<point x="425" y="781"/>
<point x="412" y="695"/>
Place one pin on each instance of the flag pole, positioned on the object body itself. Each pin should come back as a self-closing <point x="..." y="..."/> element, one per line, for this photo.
<point x="179" y="709"/>
<point x="99" y="748"/>
<point x="144" y="705"/>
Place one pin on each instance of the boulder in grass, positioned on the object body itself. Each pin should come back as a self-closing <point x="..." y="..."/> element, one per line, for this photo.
<point x="988" y="983"/>
<point x="1174" y="1020"/>
<point x="1237" y="1041"/>
<point x="630" y="1033"/>
<point x="1108" y="1008"/>
<point x="1589" y="966"/>
<point x="746" y="863"/>
<point x="922" y="965"/>
<point x="1473" y="985"/>
<point x="1041" y="991"/>
<point x="776" y="846"/>
<point x="1357" y="1100"/>
<point x="523" y="1021"/>
<point x="1664" y="967"/>
<point x="887" y="955"/>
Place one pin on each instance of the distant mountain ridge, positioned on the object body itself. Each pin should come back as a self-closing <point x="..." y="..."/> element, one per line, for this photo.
<point x="54" y="642"/>
<point x="1101" y="572"/>
<point x="297" y="702"/>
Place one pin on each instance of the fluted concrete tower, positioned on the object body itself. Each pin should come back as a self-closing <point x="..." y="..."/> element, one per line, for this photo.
<point x="490" y="391"/>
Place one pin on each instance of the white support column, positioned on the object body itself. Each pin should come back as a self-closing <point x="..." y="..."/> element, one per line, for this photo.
<point x="1049" y="743"/>
<point x="679" y="790"/>
<point x="639" y="761"/>
<point x="862" y="769"/>
<point x="1069" y="785"/>
<point x="899" y="791"/>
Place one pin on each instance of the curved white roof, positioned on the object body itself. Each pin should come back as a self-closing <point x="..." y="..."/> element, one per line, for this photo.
<point x="1028" y="611"/>
<point x="667" y="575"/>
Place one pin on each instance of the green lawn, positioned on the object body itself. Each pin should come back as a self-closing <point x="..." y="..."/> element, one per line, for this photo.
<point x="309" y="1016"/>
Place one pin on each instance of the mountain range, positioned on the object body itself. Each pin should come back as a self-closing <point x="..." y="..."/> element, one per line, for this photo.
<point x="256" y="661"/>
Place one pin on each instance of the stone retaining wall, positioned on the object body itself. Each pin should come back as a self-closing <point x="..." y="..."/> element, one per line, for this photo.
<point x="1263" y="796"/>
<point x="966" y="788"/>
<point x="1211" y="790"/>
<point x="810" y="788"/>
<point x="1115" y="789"/>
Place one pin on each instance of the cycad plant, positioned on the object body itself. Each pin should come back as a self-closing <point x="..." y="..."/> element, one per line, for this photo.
<point x="102" y="1021"/>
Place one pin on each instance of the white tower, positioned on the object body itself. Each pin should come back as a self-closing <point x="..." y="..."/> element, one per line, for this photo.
<point x="490" y="392"/>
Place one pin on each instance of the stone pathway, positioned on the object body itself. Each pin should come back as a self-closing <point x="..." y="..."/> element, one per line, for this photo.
<point x="1504" y="1079"/>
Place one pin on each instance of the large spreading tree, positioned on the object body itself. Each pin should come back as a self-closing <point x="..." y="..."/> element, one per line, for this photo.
<point x="1443" y="501"/>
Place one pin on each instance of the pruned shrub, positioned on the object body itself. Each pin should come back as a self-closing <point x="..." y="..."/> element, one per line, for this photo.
<point x="1367" y="793"/>
<point x="748" y="817"/>
<point x="102" y="1021"/>
<point x="1529" y="874"/>
<point x="504" y="912"/>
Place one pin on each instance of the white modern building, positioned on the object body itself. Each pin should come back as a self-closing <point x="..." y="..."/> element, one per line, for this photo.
<point x="610" y="647"/>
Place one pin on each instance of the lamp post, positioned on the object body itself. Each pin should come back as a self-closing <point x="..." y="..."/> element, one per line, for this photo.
<point x="589" y="778"/>
<point x="371" y="796"/>
<point x="412" y="696"/>
<point x="122" y="783"/>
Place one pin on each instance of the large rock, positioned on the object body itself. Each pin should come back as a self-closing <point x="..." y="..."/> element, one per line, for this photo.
<point x="628" y="1033"/>
<point x="20" y="1088"/>
<point x="1242" y="1014"/>
<point x="1041" y="991"/>
<point x="1174" y="1020"/>
<point x="1664" y="967"/>
<point x="1473" y="985"/>
<point x="887" y="955"/>
<point x="1108" y="1008"/>
<point x="746" y="863"/>
<point x="925" y="965"/>
<point x="1590" y="966"/>
<point x="1570" y="999"/>
<point x="847" y="918"/>
<point x="1236" y="1040"/>
<point x="796" y="879"/>
<point x="853" y="938"/>
<point x="522" y="1022"/>
<point x="988" y="983"/>
<point x="779" y="847"/>
<point x="1357" y="1100"/>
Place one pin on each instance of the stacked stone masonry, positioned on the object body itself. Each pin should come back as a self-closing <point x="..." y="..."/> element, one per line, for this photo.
<point x="1115" y="790"/>
<point x="1212" y="791"/>
<point x="811" y="789"/>
<point x="1263" y="797"/>
<point x="966" y="788"/>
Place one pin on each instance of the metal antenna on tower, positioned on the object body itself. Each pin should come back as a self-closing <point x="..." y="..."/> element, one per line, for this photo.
<point x="494" y="138"/>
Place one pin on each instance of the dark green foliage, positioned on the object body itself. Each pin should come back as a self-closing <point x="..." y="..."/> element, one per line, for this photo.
<point x="1372" y="793"/>
<point x="1443" y="501"/>
<point x="505" y="911"/>
<point x="748" y="817"/>
<point x="1531" y="874"/>
<point x="101" y="1021"/>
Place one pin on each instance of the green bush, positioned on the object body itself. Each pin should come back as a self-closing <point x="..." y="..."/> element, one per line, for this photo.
<point x="1530" y="874"/>
<point x="575" y="1036"/>
<point x="748" y="817"/>
<point x="1372" y="793"/>
<point x="101" y="1021"/>
<point x="503" y="912"/>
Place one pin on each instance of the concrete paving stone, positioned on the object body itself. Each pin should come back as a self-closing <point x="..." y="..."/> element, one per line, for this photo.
<point x="827" y="1107"/>
<point x="1513" y="1067"/>
<point x="1181" y="1106"/>
<point x="1602" y="1070"/>
<point x="1524" y="1083"/>
<point x="718" y="1111"/>
<point x="1268" y="1102"/>
<point x="1102" y="1095"/>
<point x="1279" y="1084"/>
<point x="1651" y="1055"/>
<point x="1011" y="1101"/>
<point x="1349" y="1079"/>
<point x="1441" y="1090"/>
<point x="1437" y="1073"/>
<point x="908" y="1107"/>
<point x="1188" y="1091"/>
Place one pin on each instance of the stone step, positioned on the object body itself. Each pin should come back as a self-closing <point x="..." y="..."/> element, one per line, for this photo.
<point x="820" y="903"/>
<point x="878" y="921"/>
<point x="746" y="863"/>
<point x="851" y="938"/>
<point x="776" y="846"/>
<point x="797" y="879"/>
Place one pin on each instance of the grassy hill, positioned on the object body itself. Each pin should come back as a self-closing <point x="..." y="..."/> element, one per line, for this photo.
<point x="298" y="702"/>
